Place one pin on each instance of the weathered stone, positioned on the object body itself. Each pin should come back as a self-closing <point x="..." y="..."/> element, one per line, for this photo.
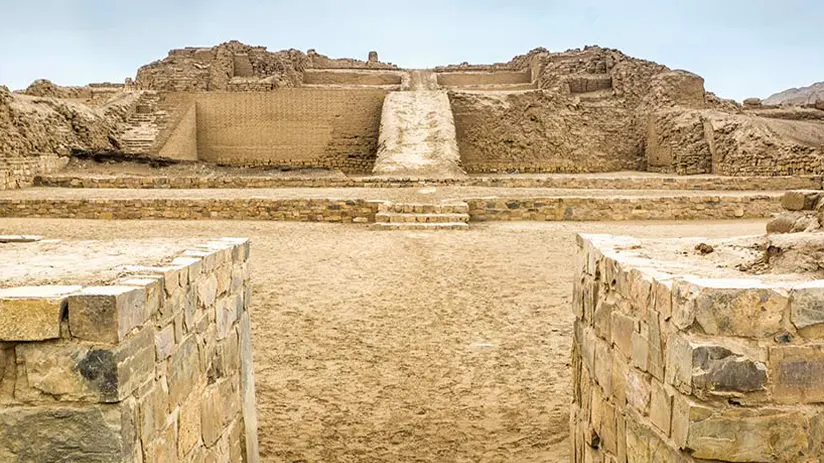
<point x="247" y="391"/>
<point x="154" y="410"/>
<point x="165" y="342"/>
<point x="206" y="291"/>
<point x="660" y="409"/>
<point x="80" y="371"/>
<point x="745" y="435"/>
<point x="622" y="327"/>
<point x="717" y="369"/>
<point x="638" y="391"/>
<point x="164" y="447"/>
<point x="640" y="351"/>
<point x="655" y="349"/>
<point x="731" y="308"/>
<point x="189" y="431"/>
<point x="800" y="200"/>
<point x="662" y="290"/>
<point x="782" y="223"/>
<point x="620" y="371"/>
<point x="602" y="317"/>
<point x="807" y="308"/>
<point x="93" y="434"/>
<point x="107" y="313"/>
<point x="220" y="406"/>
<point x="32" y="313"/>
<point x="227" y="312"/>
<point x="183" y="370"/>
<point x="603" y="420"/>
<point x="155" y="294"/>
<point x="796" y="373"/>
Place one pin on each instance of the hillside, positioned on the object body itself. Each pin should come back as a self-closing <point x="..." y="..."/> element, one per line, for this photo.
<point x="803" y="95"/>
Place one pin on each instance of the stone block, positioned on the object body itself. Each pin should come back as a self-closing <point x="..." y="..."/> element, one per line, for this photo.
<point x="640" y="351"/>
<point x="739" y="434"/>
<point x="184" y="369"/>
<point x="622" y="328"/>
<point x="620" y="371"/>
<point x="165" y="342"/>
<point x="638" y="391"/>
<point x="154" y="411"/>
<point x="602" y="317"/>
<point x="96" y="433"/>
<point x="603" y="420"/>
<point x="740" y="308"/>
<point x="800" y="200"/>
<point x="220" y="406"/>
<point x="206" y="291"/>
<point x="227" y="311"/>
<point x="247" y="388"/>
<point x="107" y="313"/>
<point x="163" y="448"/>
<point x="796" y="373"/>
<point x="155" y="294"/>
<point x="189" y="427"/>
<point x="603" y="366"/>
<point x="807" y="308"/>
<point x="662" y="290"/>
<point x="80" y="371"/>
<point x="33" y="313"/>
<point x="704" y="368"/>
<point x="660" y="409"/>
<point x="655" y="348"/>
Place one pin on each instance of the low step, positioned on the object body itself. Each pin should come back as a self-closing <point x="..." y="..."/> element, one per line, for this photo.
<point x="421" y="226"/>
<point x="395" y="217"/>
<point x="424" y="208"/>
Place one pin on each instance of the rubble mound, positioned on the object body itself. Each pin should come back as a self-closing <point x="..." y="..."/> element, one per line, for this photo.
<point x="47" y="88"/>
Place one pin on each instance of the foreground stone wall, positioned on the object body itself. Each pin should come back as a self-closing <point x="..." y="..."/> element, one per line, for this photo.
<point x="669" y="368"/>
<point x="156" y="367"/>
<point x="20" y="172"/>
<point x="291" y="128"/>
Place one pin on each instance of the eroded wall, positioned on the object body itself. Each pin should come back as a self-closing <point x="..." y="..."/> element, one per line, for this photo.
<point x="154" y="367"/>
<point x="291" y="128"/>
<point x="541" y="132"/>
<point x="672" y="368"/>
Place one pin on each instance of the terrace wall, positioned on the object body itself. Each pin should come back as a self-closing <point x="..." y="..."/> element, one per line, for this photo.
<point x="19" y="172"/>
<point x="155" y="367"/>
<point x="291" y="128"/>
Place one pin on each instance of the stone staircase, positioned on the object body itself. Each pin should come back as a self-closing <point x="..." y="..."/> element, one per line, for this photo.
<point x="418" y="216"/>
<point x="143" y="126"/>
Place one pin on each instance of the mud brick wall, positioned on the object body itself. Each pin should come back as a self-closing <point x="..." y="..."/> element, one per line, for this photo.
<point x="19" y="172"/>
<point x="539" y="132"/>
<point x="155" y="367"/>
<point x="460" y="79"/>
<point x="291" y="128"/>
<point x="671" y="368"/>
<point x="349" y="77"/>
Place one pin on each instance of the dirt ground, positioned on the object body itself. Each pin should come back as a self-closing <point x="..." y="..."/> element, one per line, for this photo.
<point x="399" y="346"/>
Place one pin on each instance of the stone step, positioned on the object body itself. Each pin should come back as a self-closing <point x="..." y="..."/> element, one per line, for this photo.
<point x="424" y="208"/>
<point x="394" y="217"/>
<point x="421" y="226"/>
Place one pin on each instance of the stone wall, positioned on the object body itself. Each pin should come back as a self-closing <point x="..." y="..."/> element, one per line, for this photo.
<point x="470" y="78"/>
<point x="19" y="172"/>
<point x="181" y="141"/>
<point x="577" y="208"/>
<point x="351" y="77"/>
<point x="620" y="182"/>
<point x="673" y="368"/>
<point x="291" y="128"/>
<point x="154" y="367"/>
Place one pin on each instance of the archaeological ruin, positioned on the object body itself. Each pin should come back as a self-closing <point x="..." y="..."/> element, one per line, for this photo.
<point x="231" y="203"/>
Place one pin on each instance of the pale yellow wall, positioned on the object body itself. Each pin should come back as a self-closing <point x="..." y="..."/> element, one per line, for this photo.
<point x="182" y="143"/>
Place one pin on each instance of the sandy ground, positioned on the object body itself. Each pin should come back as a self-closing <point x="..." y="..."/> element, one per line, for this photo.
<point x="399" y="346"/>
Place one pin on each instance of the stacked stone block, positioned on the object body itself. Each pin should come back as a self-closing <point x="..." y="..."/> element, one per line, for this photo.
<point x="155" y="367"/>
<point x="19" y="172"/>
<point x="671" y="368"/>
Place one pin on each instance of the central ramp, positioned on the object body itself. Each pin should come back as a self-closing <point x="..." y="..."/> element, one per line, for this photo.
<point x="417" y="136"/>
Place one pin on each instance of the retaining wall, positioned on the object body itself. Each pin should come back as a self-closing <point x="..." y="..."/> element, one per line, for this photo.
<point x="19" y="172"/>
<point x="154" y="367"/>
<point x="676" y="368"/>
<point x="291" y="127"/>
<point x="561" y="182"/>
<point x="584" y="208"/>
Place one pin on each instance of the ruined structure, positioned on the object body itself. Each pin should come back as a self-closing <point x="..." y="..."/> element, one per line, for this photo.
<point x="579" y="111"/>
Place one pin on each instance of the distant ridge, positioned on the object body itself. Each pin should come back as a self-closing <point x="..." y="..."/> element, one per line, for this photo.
<point x="804" y="95"/>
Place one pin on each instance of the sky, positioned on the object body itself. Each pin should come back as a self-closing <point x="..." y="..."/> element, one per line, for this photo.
<point x="741" y="48"/>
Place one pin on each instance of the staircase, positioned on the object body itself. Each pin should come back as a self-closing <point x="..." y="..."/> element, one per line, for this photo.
<point x="143" y="125"/>
<point x="417" y="135"/>
<point x="417" y="216"/>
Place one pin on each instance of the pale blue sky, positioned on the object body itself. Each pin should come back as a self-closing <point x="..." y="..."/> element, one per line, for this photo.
<point x="742" y="48"/>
